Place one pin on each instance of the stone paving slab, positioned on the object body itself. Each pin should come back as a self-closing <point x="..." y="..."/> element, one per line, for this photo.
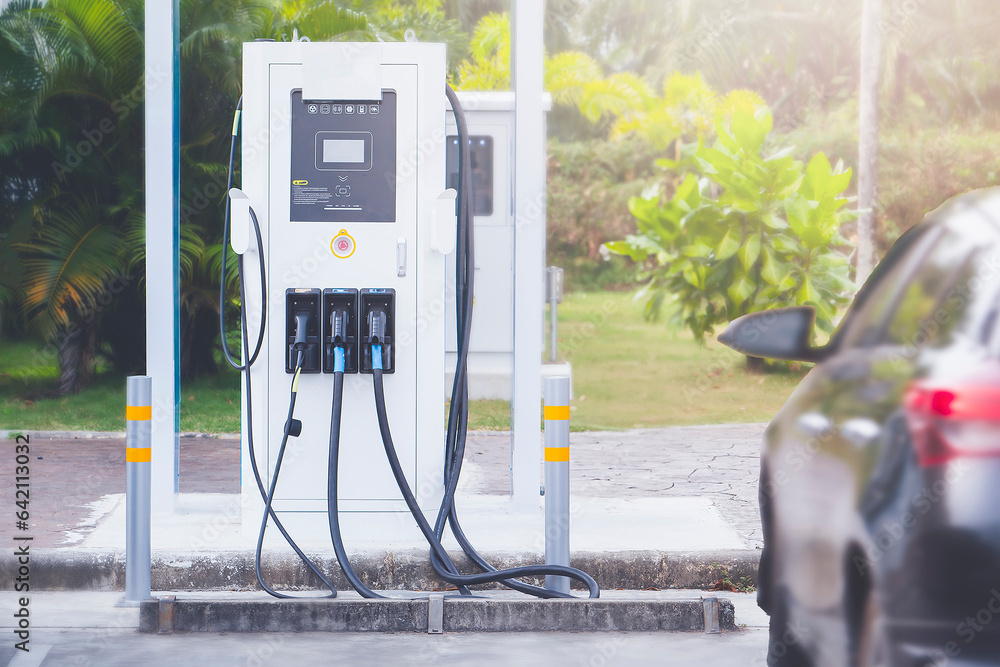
<point x="76" y="481"/>
<point x="720" y="462"/>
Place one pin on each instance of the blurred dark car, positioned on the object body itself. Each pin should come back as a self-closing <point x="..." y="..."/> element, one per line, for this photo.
<point x="880" y="477"/>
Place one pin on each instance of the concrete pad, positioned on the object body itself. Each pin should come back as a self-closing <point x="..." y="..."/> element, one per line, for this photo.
<point x="628" y="542"/>
<point x="72" y="609"/>
<point x="213" y="522"/>
<point x="651" y="508"/>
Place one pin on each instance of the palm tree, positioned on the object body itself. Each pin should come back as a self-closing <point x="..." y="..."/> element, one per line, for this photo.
<point x="212" y="36"/>
<point x="71" y="88"/>
<point x="68" y="131"/>
<point x="68" y="264"/>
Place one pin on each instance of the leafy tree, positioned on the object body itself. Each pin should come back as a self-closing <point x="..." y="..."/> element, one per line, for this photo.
<point x="488" y="66"/>
<point x="68" y="132"/>
<point x="588" y="190"/>
<point x="71" y="132"/>
<point x="574" y="79"/>
<point x="767" y="238"/>
<point x="684" y="114"/>
<point x="68" y="264"/>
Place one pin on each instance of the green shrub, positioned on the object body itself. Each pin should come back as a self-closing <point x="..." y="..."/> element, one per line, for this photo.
<point x="591" y="183"/>
<point x="922" y="164"/>
<point x="768" y="238"/>
<point x="589" y="187"/>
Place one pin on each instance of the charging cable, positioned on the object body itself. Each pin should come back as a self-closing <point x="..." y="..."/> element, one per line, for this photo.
<point x="338" y="322"/>
<point x="437" y="549"/>
<point x="458" y="417"/>
<point x="266" y="496"/>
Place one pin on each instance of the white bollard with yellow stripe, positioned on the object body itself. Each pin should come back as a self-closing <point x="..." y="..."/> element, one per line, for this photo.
<point x="138" y="454"/>
<point x="557" y="479"/>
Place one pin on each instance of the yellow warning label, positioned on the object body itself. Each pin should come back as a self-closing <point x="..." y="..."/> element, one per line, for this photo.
<point x="138" y="412"/>
<point x="300" y="182"/>
<point x="557" y="454"/>
<point x="556" y="412"/>
<point x="138" y="454"/>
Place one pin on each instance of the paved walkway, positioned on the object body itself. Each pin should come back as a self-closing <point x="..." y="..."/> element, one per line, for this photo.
<point x="720" y="463"/>
<point x="76" y="482"/>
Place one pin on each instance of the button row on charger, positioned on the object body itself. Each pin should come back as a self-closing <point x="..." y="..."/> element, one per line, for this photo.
<point x="349" y="109"/>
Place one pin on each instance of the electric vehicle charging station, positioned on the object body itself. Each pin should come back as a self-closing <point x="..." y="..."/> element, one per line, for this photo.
<point x="344" y="146"/>
<point x="344" y="162"/>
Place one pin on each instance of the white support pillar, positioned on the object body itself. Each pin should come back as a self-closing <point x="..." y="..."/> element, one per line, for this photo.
<point x="868" y="100"/>
<point x="162" y="240"/>
<point x="527" y="23"/>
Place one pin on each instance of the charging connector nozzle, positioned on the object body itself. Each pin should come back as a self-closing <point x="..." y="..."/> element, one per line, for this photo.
<point x="339" y="322"/>
<point x="301" y="329"/>
<point x="376" y="326"/>
<point x="378" y="312"/>
<point x="340" y="319"/>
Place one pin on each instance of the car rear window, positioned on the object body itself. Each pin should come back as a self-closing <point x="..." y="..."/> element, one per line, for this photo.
<point x="865" y="326"/>
<point x="944" y="283"/>
<point x="930" y="307"/>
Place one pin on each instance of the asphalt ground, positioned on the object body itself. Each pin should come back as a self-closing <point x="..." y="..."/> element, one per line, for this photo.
<point x="86" y="629"/>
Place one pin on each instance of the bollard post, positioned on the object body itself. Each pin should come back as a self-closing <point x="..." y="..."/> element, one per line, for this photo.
<point x="138" y="451"/>
<point x="557" y="479"/>
<point x="711" y="607"/>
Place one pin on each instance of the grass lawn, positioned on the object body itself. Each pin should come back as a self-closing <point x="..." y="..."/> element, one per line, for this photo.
<point x="627" y="373"/>
<point x="28" y="373"/>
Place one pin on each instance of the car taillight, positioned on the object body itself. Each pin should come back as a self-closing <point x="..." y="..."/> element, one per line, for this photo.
<point x="948" y="422"/>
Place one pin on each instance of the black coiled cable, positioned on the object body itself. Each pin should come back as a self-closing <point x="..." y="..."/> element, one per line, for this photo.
<point x="458" y="416"/>
<point x="265" y="495"/>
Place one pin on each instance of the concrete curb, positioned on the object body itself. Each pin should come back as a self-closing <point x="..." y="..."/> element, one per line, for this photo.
<point x="460" y="615"/>
<point x="83" y="569"/>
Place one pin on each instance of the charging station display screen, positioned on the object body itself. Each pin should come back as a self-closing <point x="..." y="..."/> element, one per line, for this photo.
<point x="481" y="155"/>
<point x="343" y="166"/>
<point x="343" y="150"/>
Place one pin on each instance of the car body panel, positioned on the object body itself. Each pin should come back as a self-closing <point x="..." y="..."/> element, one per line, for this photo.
<point x="846" y="504"/>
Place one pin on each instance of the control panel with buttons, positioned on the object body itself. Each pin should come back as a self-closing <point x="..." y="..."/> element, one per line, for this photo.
<point x="343" y="160"/>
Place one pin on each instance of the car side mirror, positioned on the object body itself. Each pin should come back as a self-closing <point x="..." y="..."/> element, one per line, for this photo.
<point x="779" y="333"/>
